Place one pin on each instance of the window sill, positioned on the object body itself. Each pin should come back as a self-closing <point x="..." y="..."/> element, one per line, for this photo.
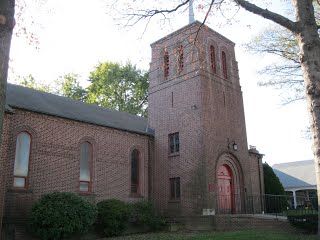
<point x="132" y="195"/>
<point x="174" y="154"/>
<point x="86" y="193"/>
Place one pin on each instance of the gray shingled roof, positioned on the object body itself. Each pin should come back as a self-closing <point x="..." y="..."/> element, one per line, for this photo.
<point x="296" y="174"/>
<point x="50" y="104"/>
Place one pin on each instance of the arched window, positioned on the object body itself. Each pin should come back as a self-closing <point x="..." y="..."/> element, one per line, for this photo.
<point x="213" y="59"/>
<point x="135" y="171"/>
<point x="21" y="162"/>
<point x="180" y="59"/>
<point x="224" y="65"/>
<point x="85" y="167"/>
<point x="166" y="63"/>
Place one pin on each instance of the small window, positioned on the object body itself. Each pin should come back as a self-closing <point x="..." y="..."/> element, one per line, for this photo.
<point x="175" y="188"/>
<point x="166" y="64"/>
<point x="135" y="171"/>
<point x="21" y="162"/>
<point x="171" y="99"/>
<point x="85" y="167"/>
<point x="174" y="143"/>
<point x="224" y="65"/>
<point x="213" y="59"/>
<point x="180" y="59"/>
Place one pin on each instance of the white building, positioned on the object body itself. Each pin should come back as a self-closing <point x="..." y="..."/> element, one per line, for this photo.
<point x="299" y="181"/>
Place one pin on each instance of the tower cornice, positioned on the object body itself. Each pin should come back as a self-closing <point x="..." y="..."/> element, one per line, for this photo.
<point x="189" y="26"/>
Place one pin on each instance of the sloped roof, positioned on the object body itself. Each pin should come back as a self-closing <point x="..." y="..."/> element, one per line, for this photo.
<point x="50" y="104"/>
<point x="296" y="174"/>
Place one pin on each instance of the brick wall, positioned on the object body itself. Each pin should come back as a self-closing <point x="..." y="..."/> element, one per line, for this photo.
<point x="257" y="180"/>
<point x="207" y="111"/>
<point x="223" y="119"/>
<point x="170" y="110"/>
<point x="54" y="160"/>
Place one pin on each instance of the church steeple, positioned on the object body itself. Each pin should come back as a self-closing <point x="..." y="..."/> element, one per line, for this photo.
<point x="191" y="13"/>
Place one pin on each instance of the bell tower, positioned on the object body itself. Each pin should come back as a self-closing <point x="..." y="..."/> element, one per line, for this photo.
<point x="196" y="110"/>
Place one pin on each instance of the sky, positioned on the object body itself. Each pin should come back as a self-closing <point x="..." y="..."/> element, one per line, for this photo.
<point x="74" y="36"/>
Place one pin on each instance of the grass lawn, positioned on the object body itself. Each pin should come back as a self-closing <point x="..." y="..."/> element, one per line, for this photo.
<point x="239" y="235"/>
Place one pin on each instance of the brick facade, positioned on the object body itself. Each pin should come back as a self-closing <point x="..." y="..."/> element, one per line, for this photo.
<point x="200" y="104"/>
<point x="54" y="160"/>
<point x="207" y="111"/>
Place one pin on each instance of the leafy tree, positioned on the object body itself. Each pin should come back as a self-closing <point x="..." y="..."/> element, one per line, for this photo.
<point x="70" y="87"/>
<point x="123" y="88"/>
<point x="30" y="82"/>
<point x="113" y="86"/>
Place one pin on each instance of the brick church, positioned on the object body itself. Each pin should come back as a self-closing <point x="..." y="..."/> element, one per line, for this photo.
<point x="190" y="157"/>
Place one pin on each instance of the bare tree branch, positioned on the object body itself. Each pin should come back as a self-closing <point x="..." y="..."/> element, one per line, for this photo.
<point x="265" y="13"/>
<point x="204" y="20"/>
<point x="288" y="101"/>
<point x="149" y="13"/>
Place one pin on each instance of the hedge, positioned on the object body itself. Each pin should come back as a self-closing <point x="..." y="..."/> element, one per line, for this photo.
<point x="113" y="217"/>
<point x="61" y="215"/>
<point x="306" y="220"/>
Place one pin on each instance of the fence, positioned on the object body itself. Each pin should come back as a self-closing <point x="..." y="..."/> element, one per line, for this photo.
<point x="262" y="204"/>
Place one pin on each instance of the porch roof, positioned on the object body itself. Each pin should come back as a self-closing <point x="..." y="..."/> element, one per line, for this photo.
<point x="299" y="174"/>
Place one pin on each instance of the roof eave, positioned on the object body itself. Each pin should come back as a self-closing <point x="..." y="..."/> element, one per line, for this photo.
<point x="83" y="121"/>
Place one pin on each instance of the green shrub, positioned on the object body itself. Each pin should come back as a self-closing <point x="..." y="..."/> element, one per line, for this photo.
<point x="275" y="199"/>
<point x="143" y="214"/>
<point x="113" y="217"/>
<point x="60" y="215"/>
<point x="307" y="221"/>
<point x="271" y="181"/>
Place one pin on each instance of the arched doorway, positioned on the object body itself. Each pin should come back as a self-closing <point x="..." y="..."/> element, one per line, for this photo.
<point x="225" y="189"/>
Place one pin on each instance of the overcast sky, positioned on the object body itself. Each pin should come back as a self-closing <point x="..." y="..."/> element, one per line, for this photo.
<point x="75" y="35"/>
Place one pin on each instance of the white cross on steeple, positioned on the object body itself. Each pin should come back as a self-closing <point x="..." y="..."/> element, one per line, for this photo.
<point x="191" y="14"/>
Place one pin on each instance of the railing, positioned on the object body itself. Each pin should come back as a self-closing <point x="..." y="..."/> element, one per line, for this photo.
<point x="278" y="205"/>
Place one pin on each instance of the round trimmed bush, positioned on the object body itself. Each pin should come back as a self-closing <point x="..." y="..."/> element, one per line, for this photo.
<point x="60" y="215"/>
<point x="113" y="217"/>
<point x="143" y="214"/>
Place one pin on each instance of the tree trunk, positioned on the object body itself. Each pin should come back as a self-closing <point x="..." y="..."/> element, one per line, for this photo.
<point x="6" y="26"/>
<point x="309" y="44"/>
<point x="306" y="31"/>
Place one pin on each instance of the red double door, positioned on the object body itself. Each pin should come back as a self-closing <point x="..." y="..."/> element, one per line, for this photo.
<point x="225" y="190"/>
